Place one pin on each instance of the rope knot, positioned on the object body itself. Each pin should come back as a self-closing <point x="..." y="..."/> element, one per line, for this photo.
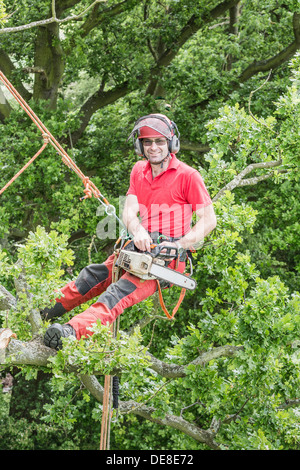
<point x="46" y="138"/>
<point x="87" y="187"/>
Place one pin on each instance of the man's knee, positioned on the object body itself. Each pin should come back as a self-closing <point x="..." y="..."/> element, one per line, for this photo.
<point x="90" y="276"/>
<point x="116" y="292"/>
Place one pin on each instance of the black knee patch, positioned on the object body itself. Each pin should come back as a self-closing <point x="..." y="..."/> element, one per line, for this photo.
<point x="90" y="276"/>
<point x="116" y="292"/>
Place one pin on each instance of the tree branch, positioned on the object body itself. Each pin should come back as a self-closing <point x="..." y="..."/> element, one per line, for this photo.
<point x="146" y="412"/>
<point x="35" y="353"/>
<point x="261" y="66"/>
<point x="53" y="19"/>
<point x="193" y="25"/>
<point x="7" y="300"/>
<point x="175" y="422"/>
<point x="239" y="179"/>
<point x="176" y="371"/>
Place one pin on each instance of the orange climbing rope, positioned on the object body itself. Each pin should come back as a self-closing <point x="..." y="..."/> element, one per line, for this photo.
<point x="170" y="316"/>
<point x="89" y="187"/>
<point x="25" y="166"/>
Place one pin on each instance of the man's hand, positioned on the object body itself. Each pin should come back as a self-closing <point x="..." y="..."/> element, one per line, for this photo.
<point x="168" y="244"/>
<point x="142" y="239"/>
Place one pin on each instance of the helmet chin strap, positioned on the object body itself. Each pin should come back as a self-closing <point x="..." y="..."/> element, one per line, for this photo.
<point x="161" y="163"/>
<point x="164" y="160"/>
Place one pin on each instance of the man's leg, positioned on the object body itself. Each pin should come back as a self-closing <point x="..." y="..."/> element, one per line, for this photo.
<point x="127" y="291"/>
<point x="91" y="282"/>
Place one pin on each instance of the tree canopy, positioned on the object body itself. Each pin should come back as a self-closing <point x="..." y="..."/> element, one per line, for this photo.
<point x="225" y="373"/>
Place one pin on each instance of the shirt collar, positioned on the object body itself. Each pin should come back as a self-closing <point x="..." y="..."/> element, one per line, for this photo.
<point x="174" y="162"/>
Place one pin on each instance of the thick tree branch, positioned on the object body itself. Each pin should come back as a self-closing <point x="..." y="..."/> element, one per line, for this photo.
<point x="35" y="353"/>
<point x="240" y="181"/>
<point x="176" y="371"/>
<point x="260" y="66"/>
<point x="7" y="300"/>
<point x="193" y="25"/>
<point x="51" y="20"/>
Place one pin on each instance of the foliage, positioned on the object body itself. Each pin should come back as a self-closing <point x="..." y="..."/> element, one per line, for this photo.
<point x="2" y="12"/>
<point x="227" y="86"/>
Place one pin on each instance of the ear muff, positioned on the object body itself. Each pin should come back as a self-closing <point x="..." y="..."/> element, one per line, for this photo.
<point x="174" y="143"/>
<point x="138" y="147"/>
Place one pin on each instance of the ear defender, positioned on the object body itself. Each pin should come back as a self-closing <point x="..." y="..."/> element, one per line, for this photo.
<point x="138" y="147"/>
<point x="174" y="143"/>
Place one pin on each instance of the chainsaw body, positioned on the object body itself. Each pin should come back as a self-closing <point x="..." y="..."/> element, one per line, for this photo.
<point x="152" y="266"/>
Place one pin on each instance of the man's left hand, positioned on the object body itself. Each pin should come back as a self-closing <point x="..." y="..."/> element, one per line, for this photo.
<point x="169" y="244"/>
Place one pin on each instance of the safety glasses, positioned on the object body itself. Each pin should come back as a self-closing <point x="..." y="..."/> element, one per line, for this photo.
<point x="158" y="142"/>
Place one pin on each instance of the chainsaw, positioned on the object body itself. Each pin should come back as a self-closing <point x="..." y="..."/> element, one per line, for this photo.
<point x="151" y="265"/>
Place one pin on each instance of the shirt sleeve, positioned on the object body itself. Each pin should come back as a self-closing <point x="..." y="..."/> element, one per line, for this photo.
<point x="196" y="192"/>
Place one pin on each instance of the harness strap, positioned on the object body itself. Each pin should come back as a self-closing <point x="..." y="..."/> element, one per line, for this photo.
<point x="162" y="303"/>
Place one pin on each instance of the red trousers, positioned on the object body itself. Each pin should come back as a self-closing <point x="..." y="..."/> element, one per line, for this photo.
<point x="96" y="280"/>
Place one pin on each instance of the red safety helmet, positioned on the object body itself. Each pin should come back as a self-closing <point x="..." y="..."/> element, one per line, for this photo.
<point x="153" y="126"/>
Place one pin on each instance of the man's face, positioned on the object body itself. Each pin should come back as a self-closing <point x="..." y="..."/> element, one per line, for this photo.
<point x="156" y="149"/>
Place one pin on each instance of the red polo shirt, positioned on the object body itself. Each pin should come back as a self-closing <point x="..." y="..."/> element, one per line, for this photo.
<point x="166" y="202"/>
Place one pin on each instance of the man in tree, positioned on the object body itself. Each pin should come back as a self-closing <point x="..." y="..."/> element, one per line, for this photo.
<point x="165" y="192"/>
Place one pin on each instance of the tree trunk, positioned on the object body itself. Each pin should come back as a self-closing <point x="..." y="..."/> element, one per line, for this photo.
<point x="49" y="64"/>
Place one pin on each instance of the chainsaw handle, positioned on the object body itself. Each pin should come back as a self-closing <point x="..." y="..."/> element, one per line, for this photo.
<point x="156" y="251"/>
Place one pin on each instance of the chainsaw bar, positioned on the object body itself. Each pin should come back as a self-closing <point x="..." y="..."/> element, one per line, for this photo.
<point x="174" y="277"/>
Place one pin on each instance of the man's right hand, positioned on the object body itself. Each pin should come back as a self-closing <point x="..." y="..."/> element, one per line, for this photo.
<point x="142" y="239"/>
